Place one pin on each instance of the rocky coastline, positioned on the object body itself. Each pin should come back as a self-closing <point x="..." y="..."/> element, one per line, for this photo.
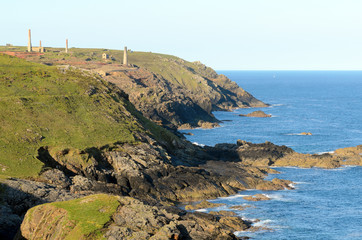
<point x="223" y="170"/>
<point x="127" y="186"/>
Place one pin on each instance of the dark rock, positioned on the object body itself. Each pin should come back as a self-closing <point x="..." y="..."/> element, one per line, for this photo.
<point x="56" y="177"/>
<point x="256" y="197"/>
<point x="203" y="204"/>
<point x="259" y="114"/>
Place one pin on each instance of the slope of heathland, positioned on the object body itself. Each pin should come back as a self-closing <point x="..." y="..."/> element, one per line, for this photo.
<point x="62" y="111"/>
<point x="165" y="88"/>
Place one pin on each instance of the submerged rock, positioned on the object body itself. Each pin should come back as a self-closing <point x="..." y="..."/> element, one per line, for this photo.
<point x="257" y="197"/>
<point x="241" y="207"/>
<point x="259" y="114"/>
<point x="306" y="133"/>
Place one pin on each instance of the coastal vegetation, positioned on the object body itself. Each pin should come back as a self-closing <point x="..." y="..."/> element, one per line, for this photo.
<point x="43" y="107"/>
<point x="166" y="89"/>
<point x="77" y="142"/>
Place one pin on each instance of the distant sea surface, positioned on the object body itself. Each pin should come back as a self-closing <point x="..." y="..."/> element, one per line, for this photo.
<point x="327" y="204"/>
<point x="326" y="103"/>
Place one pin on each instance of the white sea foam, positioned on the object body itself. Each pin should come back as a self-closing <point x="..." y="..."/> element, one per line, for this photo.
<point x="335" y="169"/>
<point x="279" y="197"/>
<point x="262" y="223"/>
<point x="201" y="210"/>
<point x="293" y="167"/>
<point x="295" y="134"/>
<point x="234" y="196"/>
<point x="321" y="153"/>
<point x="198" y="144"/>
<point x="301" y="183"/>
<point x="276" y="105"/>
<point x="239" y="233"/>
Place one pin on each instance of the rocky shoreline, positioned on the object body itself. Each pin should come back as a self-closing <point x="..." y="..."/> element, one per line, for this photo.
<point x="114" y="174"/>
<point x="218" y="171"/>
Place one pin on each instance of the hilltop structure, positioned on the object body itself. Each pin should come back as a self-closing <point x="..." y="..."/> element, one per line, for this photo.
<point x="125" y="57"/>
<point x="31" y="48"/>
<point x="66" y="45"/>
<point x="105" y="56"/>
<point x="29" y="41"/>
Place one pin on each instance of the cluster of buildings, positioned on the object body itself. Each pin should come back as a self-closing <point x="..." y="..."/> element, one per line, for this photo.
<point x="41" y="49"/>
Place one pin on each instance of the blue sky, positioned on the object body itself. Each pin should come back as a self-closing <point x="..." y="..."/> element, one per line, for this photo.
<point x="228" y="34"/>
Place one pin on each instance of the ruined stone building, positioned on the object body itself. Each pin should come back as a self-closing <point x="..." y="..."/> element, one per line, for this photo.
<point x="31" y="48"/>
<point x="105" y="56"/>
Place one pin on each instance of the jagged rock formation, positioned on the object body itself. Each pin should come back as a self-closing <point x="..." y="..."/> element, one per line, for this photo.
<point x="184" y="97"/>
<point x="126" y="218"/>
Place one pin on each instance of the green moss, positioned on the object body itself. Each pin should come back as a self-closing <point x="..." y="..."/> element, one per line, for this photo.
<point x="89" y="214"/>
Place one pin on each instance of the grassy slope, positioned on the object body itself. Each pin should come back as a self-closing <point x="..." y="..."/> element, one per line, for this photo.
<point x="88" y="215"/>
<point x="172" y="68"/>
<point x="40" y="106"/>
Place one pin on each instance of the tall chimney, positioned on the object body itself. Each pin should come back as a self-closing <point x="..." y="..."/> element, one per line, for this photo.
<point x="39" y="43"/>
<point x="125" y="59"/>
<point x="66" y="45"/>
<point x="29" y="41"/>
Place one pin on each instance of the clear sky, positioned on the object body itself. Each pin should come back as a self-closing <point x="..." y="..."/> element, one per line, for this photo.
<point x="227" y="34"/>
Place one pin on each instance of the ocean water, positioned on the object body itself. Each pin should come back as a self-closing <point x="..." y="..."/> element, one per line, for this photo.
<point x="326" y="103"/>
<point x="326" y="204"/>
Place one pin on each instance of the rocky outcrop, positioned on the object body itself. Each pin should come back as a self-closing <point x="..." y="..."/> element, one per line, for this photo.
<point x="18" y="195"/>
<point x="268" y="154"/>
<point x="257" y="197"/>
<point x="177" y="105"/>
<point x="306" y="133"/>
<point x="146" y="172"/>
<point x="258" y="114"/>
<point x="132" y="219"/>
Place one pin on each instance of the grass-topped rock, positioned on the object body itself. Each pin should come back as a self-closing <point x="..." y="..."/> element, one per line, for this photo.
<point x="104" y="216"/>
<point x="82" y="218"/>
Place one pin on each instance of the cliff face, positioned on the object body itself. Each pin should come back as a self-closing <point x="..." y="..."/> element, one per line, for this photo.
<point x="166" y="89"/>
<point x="173" y="91"/>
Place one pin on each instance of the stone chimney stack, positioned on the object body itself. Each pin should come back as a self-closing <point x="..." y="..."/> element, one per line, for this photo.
<point x="125" y="58"/>
<point x="29" y="41"/>
<point x="66" y="45"/>
<point x="40" y="43"/>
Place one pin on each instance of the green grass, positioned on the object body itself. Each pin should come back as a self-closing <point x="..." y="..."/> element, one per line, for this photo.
<point x="40" y="106"/>
<point x="174" y="69"/>
<point x="83" y="218"/>
<point x="90" y="214"/>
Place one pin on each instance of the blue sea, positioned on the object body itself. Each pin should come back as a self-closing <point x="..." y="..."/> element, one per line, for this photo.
<point x="326" y="204"/>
